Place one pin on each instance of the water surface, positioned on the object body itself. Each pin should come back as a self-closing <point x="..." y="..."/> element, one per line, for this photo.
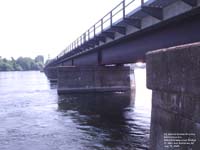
<point x="33" y="117"/>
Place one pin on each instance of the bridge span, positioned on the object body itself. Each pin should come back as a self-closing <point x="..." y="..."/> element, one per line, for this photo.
<point x="163" y="33"/>
<point x="123" y="36"/>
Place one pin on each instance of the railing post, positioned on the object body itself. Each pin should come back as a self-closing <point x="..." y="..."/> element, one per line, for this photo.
<point x="94" y="31"/>
<point x="101" y="25"/>
<point x="88" y="34"/>
<point x="124" y="11"/>
<point x="142" y="2"/>
<point x="84" y="37"/>
<point x="111" y="19"/>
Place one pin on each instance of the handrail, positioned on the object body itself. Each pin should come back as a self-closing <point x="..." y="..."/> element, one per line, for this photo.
<point x="100" y="26"/>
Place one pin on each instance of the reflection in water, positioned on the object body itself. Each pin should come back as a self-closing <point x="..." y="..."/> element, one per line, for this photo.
<point x="100" y="117"/>
<point x="106" y="103"/>
<point x="113" y="120"/>
<point x="33" y="117"/>
<point x="53" y="84"/>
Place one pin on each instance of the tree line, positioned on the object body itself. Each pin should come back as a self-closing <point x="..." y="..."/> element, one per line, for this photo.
<point x="22" y="64"/>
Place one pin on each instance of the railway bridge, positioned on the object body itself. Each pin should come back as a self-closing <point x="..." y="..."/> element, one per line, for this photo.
<point x="163" y="33"/>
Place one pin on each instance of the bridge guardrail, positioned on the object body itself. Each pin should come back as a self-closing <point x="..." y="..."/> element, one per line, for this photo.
<point x="115" y="15"/>
<point x="104" y="23"/>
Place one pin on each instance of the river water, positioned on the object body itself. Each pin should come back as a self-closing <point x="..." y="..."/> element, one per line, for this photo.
<point x="33" y="117"/>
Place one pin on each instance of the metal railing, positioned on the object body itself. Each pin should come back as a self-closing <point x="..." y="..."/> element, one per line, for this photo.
<point x="117" y="13"/>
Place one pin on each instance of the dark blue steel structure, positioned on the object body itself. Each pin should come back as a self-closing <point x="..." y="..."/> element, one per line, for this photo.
<point x="109" y="41"/>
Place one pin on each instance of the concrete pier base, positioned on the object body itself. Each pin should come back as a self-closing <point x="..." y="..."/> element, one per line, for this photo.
<point x="93" y="79"/>
<point x="51" y="73"/>
<point x="174" y="76"/>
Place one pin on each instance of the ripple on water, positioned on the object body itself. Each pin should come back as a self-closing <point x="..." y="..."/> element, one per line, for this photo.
<point x="33" y="118"/>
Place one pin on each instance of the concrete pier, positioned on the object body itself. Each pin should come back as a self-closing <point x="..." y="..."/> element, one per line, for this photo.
<point x="51" y="73"/>
<point x="93" y="79"/>
<point x="174" y="76"/>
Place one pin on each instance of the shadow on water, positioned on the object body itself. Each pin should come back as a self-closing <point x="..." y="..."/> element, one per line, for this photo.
<point x="104" y="104"/>
<point x="109" y="118"/>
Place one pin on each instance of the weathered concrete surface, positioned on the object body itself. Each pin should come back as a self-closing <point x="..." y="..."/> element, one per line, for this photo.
<point x="93" y="79"/>
<point x="174" y="113"/>
<point x="51" y="73"/>
<point x="175" y="69"/>
<point x="174" y="76"/>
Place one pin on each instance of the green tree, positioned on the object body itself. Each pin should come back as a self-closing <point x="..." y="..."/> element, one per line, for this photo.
<point x="39" y="59"/>
<point x="22" y="63"/>
<point x="26" y="63"/>
<point x="5" y="65"/>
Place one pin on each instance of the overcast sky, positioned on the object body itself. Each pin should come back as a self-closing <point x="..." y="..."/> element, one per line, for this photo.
<point x="42" y="27"/>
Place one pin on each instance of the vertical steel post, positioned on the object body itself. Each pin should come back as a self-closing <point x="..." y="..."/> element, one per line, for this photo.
<point x="142" y="2"/>
<point x="124" y="11"/>
<point x="81" y="40"/>
<point x="101" y="25"/>
<point x="94" y="31"/>
<point x="84" y="37"/>
<point x="111" y="19"/>
<point x="88" y="34"/>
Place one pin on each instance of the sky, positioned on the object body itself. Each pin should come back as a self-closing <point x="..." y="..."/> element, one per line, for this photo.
<point x="46" y="27"/>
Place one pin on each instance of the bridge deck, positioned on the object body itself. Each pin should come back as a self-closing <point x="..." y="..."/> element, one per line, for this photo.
<point x="152" y="25"/>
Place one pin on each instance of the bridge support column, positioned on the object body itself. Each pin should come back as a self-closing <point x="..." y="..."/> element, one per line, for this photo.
<point x="51" y="73"/>
<point x="174" y="76"/>
<point x="93" y="79"/>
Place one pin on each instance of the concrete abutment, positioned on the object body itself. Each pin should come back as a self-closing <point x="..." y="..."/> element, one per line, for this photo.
<point x="174" y="76"/>
<point x="106" y="90"/>
<point x="51" y="73"/>
<point x="87" y="79"/>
